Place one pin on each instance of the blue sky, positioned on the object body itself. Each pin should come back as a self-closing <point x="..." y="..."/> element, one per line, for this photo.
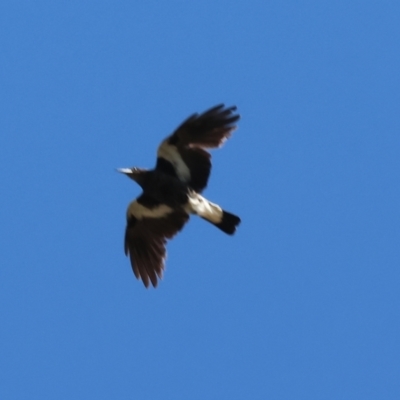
<point x="303" y="302"/>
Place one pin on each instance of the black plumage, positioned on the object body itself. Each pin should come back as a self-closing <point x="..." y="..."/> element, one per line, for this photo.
<point x="171" y="191"/>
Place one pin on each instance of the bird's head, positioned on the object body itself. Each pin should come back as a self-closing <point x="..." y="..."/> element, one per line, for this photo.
<point x="137" y="174"/>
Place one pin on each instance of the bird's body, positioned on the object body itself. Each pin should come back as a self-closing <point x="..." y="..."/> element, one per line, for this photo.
<point x="163" y="188"/>
<point x="171" y="191"/>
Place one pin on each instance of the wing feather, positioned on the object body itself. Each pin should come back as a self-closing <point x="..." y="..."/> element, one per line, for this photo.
<point x="183" y="153"/>
<point x="146" y="236"/>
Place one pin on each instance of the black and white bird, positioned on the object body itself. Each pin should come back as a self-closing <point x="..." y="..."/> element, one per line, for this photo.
<point x="171" y="191"/>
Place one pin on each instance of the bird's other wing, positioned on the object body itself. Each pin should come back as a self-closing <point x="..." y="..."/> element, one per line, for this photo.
<point x="149" y="225"/>
<point x="183" y="153"/>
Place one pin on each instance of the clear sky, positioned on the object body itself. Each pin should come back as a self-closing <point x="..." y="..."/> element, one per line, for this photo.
<point x="303" y="302"/>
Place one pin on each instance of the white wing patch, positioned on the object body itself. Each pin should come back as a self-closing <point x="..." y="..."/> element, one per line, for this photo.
<point x="201" y="206"/>
<point x="139" y="211"/>
<point x="170" y="153"/>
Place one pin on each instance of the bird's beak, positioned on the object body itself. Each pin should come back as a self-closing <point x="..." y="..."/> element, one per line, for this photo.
<point x="124" y="170"/>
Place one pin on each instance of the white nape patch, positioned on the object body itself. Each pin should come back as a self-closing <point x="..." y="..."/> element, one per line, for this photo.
<point x="204" y="208"/>
<point x="170" y="153"/>
<point x="139" y="211"/>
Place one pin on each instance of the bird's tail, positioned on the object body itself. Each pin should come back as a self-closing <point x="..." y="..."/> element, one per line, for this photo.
<point x="228" y="222"/>
<point x="213" y="213"/>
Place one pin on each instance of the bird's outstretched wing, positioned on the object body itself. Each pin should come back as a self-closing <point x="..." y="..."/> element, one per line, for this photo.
<point x="183" y="153"/>
<point x="149" y="225"/>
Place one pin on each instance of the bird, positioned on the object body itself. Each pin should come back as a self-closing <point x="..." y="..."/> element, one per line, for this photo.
<point x="172" y="191"/>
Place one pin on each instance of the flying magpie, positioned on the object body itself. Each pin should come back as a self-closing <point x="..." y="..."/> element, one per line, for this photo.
<point x="172" y="191"/>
